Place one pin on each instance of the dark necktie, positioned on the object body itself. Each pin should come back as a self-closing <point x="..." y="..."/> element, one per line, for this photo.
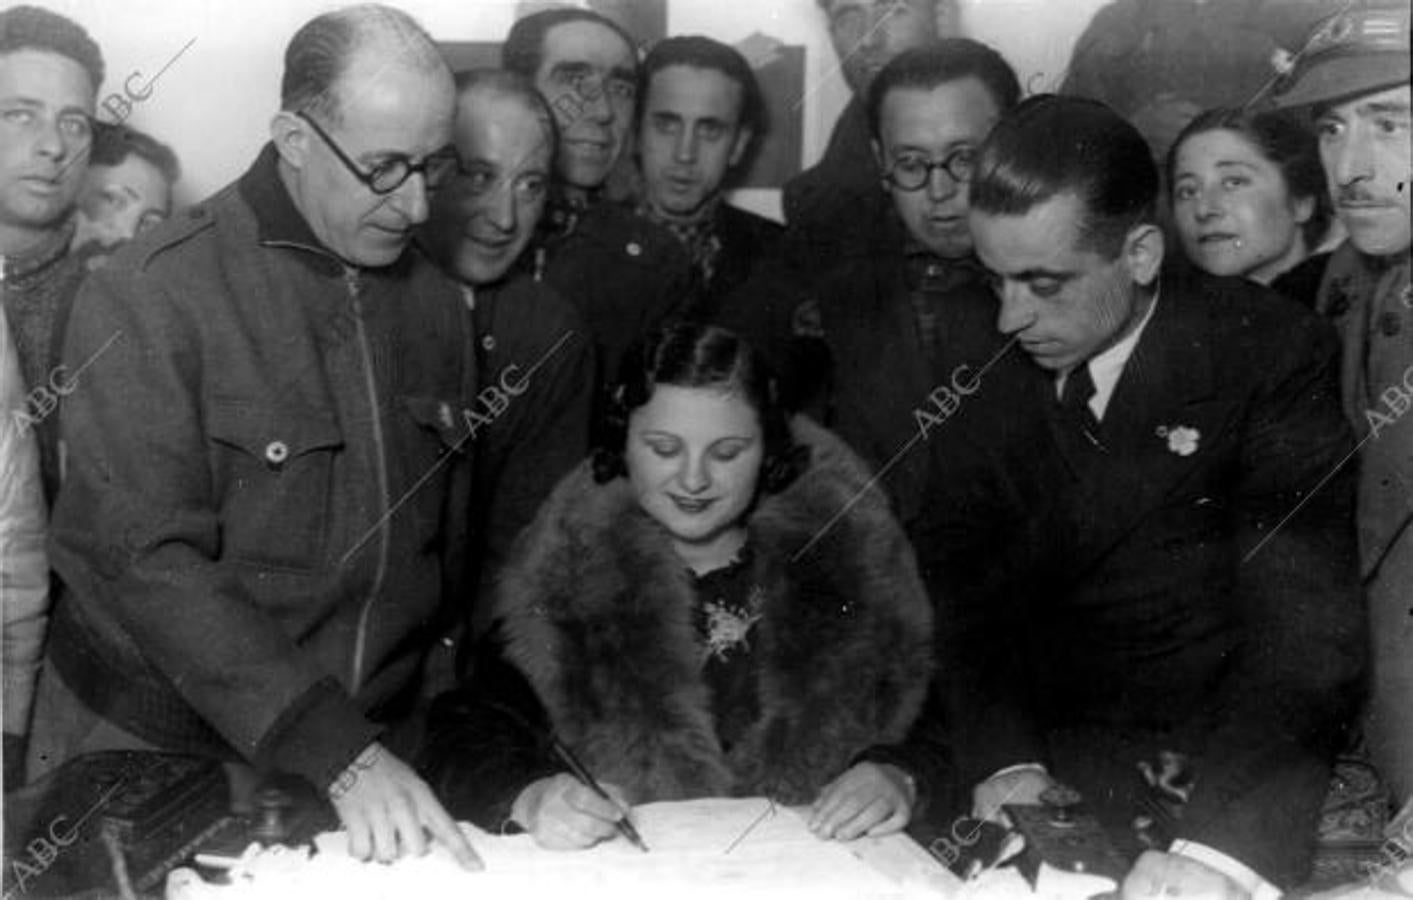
<point x="1074" y="401"/>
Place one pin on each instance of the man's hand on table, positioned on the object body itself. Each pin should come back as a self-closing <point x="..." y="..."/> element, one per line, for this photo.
<point x="1021" y="785"/>
<point x="869" y="799"/>
<point x="561" y="813"/>
<point x="384" y="807"/>
<point x="1168" y="875"/>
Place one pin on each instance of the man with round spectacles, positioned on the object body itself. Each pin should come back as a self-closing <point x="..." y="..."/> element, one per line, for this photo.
<point x="258" y="528"/>
<point x="907" y="316"/>
<point x="913" y="173"/>
<point x="388" y="173"/>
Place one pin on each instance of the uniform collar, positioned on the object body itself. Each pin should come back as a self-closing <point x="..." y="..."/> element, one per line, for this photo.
<point x="279" y="223"/>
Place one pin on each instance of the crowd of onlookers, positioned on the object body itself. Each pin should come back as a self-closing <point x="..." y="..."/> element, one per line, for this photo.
<point x="1053" y="439"/>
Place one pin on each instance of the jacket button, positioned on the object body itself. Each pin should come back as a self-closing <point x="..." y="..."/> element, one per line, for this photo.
<point x="488" y="343"/>
<point x="276" y="452"/>
<point x="634" y="248"/>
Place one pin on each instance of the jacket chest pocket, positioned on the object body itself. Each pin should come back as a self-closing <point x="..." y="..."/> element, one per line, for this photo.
<point x="274" y="472"/>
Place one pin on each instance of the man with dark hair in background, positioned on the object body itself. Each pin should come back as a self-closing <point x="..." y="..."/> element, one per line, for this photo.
<point x="266" y="498"/>
<point x="683" y="248"/>
<point x="586" y="68"/>
<point x="826" y="203"/>
<point x="128" y="190"/>
<point x="1186" y="647"/>
<point x="530" y="342"/>
<point x="899" y="322"/>
<point x="1353" y="78"/>
<point x="901" y="312"/>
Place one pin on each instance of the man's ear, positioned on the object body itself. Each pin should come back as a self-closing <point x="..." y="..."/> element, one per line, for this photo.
<point x="291" y="138"/>
<point x="1143" y="253"/>
<point x="743" y="142"/>
<point x="1304" y="209"/>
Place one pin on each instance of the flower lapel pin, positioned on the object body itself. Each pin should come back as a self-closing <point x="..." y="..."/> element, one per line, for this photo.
<point x="1182" y="439"/>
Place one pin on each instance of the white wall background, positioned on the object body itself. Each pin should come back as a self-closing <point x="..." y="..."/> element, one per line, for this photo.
<point x="214" y="103"/>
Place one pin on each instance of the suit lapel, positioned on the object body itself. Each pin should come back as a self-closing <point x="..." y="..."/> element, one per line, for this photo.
<point x="1159" y="426"/>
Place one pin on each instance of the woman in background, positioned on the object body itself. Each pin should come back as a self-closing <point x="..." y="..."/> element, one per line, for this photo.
<point x="1249" y="198"/>
<point x="717" y="604"/>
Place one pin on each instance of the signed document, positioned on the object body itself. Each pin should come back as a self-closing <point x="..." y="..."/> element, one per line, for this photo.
<point x="709" y="846"/>
<point x="718" y="848"/>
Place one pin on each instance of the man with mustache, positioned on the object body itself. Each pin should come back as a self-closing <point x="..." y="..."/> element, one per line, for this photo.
<point x="529" y="340"/>
<point x="1352" y="77"/>
<point x="266" y="487"/>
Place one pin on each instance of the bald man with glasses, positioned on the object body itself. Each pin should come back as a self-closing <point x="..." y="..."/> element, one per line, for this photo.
<point x="264" y="516"/>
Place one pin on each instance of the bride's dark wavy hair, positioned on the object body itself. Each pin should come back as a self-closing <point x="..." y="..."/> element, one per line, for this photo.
<point x="697" y="355"/>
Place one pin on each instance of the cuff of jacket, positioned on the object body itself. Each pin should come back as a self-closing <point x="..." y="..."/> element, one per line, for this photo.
<point x="1243" y="875"/>
<point x="926" y="779"/>
<point x="318" y="736"/>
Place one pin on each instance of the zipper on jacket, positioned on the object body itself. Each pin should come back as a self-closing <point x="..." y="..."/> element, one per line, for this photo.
<point x="360" y="643"/>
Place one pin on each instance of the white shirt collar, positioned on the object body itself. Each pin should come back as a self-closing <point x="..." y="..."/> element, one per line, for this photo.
<point x="1106" y="368"/>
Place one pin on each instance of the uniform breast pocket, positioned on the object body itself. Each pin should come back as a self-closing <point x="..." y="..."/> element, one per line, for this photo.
<point x="274" y="473"/>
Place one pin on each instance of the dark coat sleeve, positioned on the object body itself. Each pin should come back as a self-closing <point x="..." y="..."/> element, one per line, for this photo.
<point x="927" y="756"/>
<point x="1285" y="704"/>
<point x="487" y="740"/>
<point x="980" y="550"/>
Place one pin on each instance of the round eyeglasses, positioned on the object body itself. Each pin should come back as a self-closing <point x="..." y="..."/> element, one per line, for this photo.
<point x="389" y="174"/>
<point x="912" y="172"/>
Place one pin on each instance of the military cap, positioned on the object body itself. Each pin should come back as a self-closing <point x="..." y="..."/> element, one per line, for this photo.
<point x="1360" y="49"/>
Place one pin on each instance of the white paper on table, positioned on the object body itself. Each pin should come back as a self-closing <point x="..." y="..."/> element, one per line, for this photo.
<point x="698" y="846"/>
<point x="688" y="857"/>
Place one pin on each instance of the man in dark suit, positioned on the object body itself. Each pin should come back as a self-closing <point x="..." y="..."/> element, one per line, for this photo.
<point x="895" y="348"/>
<point x="907" y="317"/>
<point x="822" y="204"/>
<point x="1192" y="642"/>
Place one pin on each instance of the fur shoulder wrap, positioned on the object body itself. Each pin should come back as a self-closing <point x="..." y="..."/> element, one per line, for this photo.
<point x="597" y="611"/>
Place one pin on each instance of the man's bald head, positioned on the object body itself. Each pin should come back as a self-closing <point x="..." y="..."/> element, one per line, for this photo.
<point x="336" y="52"/>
